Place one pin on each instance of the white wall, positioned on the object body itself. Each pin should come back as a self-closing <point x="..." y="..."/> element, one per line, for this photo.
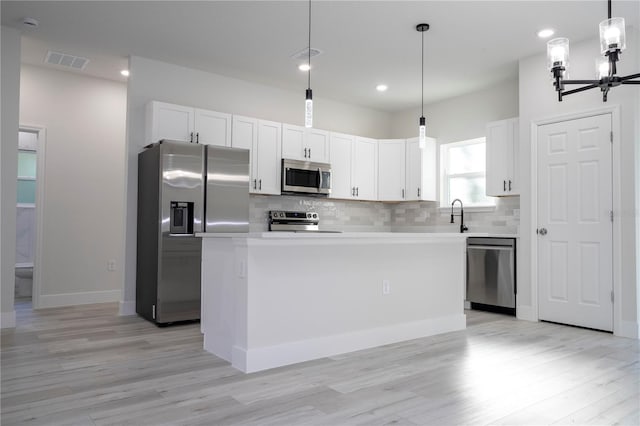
<point x="10" y="94"/>
<point x="538" y="100"/>
<point x="84" y="118"/>
<point x="153" y="80"/>
<point x="460" y="118"/>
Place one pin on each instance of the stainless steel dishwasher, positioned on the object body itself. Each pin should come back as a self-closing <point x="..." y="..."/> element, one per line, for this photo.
<point x="491" y="274"/>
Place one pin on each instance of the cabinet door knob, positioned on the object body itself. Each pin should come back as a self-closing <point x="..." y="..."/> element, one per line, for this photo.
<point x="309" y="152"/>
<point x="357" y="191"/>
<point x="260" y="184"/>
<point x="305" y="153"/>
<point x="509" y="186"/>
<point x="542" y="231"/>
<point x="403" y="193"/>
<point x="418" y="192"/>
<point x="191" y="137"/>
<point x="198" y="137"/>
<point x="504" y="185"/>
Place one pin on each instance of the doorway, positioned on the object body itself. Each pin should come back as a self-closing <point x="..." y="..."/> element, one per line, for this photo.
<point x="29" y="198"/>
<point x="575" y="278"/>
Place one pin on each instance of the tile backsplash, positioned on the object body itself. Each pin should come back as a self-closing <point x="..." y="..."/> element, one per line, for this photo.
<point x="371" y="216"/>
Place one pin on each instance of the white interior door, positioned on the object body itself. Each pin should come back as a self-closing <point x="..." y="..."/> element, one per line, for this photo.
<point x="575" y="232"/>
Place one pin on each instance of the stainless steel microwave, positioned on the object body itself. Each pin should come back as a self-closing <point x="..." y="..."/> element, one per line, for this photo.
<point x="305" y="177"/>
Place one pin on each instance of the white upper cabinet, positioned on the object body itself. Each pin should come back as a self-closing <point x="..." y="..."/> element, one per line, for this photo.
<point x="364" y="164"/>
<point x="300" y="143"/>
<point x="168" y="121"/>
<point x="391" y="169"/>
<point x="212" y="128"/>
<point x="263" y="138"/>
<point x="340" y="155"/>
<point x="502" y="157"/>
<point x="181" y="123"/>
<point x="269" y="157"/>
<point x="421" y="170"/>
<point x="354" y="167"/>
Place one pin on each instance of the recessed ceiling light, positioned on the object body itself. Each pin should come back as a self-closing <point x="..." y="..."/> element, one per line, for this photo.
<point x="304" y="67"/>
<point x="545" y="33"/>
<point x="382" y="87"/>
<point x="125" y="73"/>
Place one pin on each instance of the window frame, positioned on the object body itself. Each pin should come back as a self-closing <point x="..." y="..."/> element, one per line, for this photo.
<point x="445" y="177"/>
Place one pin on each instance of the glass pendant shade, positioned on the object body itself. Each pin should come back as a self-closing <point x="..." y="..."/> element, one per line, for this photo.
<point x="602" y="67"/>
<point x="308" y="109"/>
<point x="558" y="53"/>
<point x="422" y="133"/>
<point x="612" y="35"/>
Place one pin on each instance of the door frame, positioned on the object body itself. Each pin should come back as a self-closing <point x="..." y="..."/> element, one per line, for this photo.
<point x="39" y="214"/>
<point x="614" y="111"/>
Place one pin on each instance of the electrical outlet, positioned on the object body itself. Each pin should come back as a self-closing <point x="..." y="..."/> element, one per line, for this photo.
<point x="111" y="265"/>
<point x="386" y="287"/>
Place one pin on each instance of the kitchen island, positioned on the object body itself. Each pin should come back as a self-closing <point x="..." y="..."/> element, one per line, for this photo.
<point x="273" y="299"/>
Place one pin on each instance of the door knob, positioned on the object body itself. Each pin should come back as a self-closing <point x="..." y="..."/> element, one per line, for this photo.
<point x="542" y="231"/>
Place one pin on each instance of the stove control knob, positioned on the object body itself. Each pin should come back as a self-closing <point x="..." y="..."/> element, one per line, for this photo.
<point x="315" y="215"/>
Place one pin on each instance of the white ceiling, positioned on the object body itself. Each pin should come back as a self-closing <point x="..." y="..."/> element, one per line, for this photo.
<point x="471" y="44"/>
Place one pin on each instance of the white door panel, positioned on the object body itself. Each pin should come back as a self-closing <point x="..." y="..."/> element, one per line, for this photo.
<point x="575" y="256"/>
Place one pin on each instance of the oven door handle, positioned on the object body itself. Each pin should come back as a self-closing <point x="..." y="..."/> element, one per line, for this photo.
<point x="320" y="183"/>
<point x="476" y="247"/>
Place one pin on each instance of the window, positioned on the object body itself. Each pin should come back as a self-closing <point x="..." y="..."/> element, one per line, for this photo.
<point x="462" y="166"/>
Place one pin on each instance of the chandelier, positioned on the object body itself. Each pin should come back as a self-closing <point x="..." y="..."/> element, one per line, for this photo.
<point x="612" y="43"/>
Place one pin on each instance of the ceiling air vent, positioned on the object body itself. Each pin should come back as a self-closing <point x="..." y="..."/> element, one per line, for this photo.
<point x="64" y="60"/>
<point x="304" y="53"/>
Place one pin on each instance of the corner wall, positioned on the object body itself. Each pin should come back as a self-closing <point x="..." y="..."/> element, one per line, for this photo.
<point x="84" y="118"/>
<point x="10" y="94"/>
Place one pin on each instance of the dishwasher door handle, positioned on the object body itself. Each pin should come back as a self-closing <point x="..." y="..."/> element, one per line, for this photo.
<point x="489" y="248"/>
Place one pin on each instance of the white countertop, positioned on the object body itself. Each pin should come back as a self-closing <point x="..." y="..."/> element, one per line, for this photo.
<point x="351" y="235"/>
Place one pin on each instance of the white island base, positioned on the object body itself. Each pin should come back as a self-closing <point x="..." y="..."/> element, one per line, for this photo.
<point x="274" y="299"/>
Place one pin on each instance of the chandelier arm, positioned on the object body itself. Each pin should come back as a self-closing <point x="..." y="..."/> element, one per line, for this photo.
<point x="629" y="77"/>
<point x="581" y="82"/>
<point x="579" y="89"/>
<point x="630" y="82"/>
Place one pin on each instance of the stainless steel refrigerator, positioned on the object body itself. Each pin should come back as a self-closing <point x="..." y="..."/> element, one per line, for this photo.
<point x="183" y="189"/>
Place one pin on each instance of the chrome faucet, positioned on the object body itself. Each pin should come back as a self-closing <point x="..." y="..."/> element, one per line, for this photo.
<point x="463" y="227"/>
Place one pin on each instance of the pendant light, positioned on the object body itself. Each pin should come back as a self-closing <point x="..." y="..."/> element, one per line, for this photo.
<point x="422" y="130"/>
<point x="612" y="43"/>
<point x="308" y="102"/>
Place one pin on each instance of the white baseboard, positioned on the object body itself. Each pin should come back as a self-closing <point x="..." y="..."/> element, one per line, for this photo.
<point x="8" y="319"/>
<point x="258" y="359"/>
<point x="127" y="308"/>
<point x="84" y="298"/>
<point x="630" y="329"/>
<point x="526" y="313"/>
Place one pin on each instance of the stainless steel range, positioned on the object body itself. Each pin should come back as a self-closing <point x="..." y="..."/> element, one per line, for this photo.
<point x="293" y="221"/>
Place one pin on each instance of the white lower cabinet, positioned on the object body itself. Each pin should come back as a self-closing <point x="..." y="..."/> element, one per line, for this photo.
<point x="354" y="167"/>
<point x="391" y="169"/>
<point x="182" y="123"/>
<point x="421" y="170"/>
<point x="263" y="138"/>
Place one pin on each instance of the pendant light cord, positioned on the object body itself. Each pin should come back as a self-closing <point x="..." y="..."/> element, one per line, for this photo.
<point x="309" y="60"/>
<point x="609" y="8"/>
<point x="422" y="98"/>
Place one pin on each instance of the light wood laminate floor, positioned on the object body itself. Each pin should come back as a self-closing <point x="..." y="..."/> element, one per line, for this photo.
<point x="85" y="365"/>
